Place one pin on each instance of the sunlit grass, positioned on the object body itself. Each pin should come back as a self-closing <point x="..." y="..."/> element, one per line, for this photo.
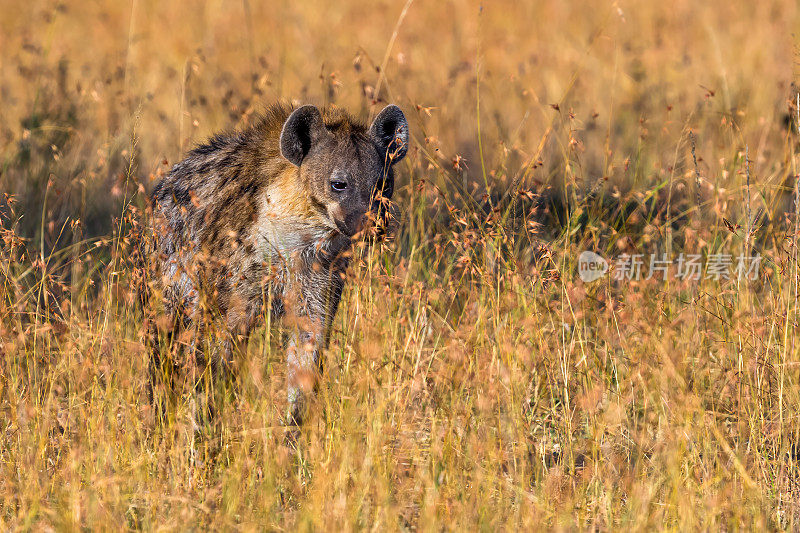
<point x="472" y="380"/>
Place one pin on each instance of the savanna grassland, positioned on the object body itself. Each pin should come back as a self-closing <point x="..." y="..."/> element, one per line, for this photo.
<point x="473" y="381"/>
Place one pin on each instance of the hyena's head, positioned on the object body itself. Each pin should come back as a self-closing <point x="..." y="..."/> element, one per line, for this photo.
<point x="346" y="167"/>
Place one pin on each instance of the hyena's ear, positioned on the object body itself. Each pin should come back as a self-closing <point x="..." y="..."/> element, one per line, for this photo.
<point x="389" y="130"/>
<point x="302" y="129"/>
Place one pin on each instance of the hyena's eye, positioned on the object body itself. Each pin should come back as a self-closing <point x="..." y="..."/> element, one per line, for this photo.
<point x="338" y="185"/>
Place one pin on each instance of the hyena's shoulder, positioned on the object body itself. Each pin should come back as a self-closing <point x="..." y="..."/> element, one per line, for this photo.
<point x="212" y="193"/>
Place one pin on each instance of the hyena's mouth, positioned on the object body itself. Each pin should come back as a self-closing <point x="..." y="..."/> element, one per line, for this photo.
<point x="342" y="227"/>
<point x="342" y="222"/>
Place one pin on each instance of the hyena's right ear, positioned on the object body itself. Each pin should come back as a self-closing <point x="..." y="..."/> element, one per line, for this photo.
<point x="302" y="129"/>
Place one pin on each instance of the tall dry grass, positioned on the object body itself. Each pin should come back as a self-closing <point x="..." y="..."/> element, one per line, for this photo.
<point x="472" y="380"/>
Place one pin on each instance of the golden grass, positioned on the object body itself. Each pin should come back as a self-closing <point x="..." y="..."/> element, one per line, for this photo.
<point x="473" y="381"/>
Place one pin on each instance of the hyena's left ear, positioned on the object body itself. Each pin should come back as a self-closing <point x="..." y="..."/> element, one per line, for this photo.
<point x="389" y="130"/>
<point x="300" y="132"/>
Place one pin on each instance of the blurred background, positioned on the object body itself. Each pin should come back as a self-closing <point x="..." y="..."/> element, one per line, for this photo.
<point x="100" y="97"/>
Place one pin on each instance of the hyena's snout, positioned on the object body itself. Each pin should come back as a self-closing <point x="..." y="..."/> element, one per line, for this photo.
<point x="356" y="222"/>
<point x="350" y="224"/>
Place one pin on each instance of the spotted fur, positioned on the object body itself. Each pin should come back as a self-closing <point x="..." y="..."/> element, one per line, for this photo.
<point x="257" y="217"/>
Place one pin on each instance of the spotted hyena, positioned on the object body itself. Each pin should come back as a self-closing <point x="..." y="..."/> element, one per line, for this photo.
<point x="261" y="220"/>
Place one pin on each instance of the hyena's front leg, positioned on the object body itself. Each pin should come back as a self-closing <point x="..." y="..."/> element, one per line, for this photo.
<point x="316" y="300"/>
<point x="302" y="369"/>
